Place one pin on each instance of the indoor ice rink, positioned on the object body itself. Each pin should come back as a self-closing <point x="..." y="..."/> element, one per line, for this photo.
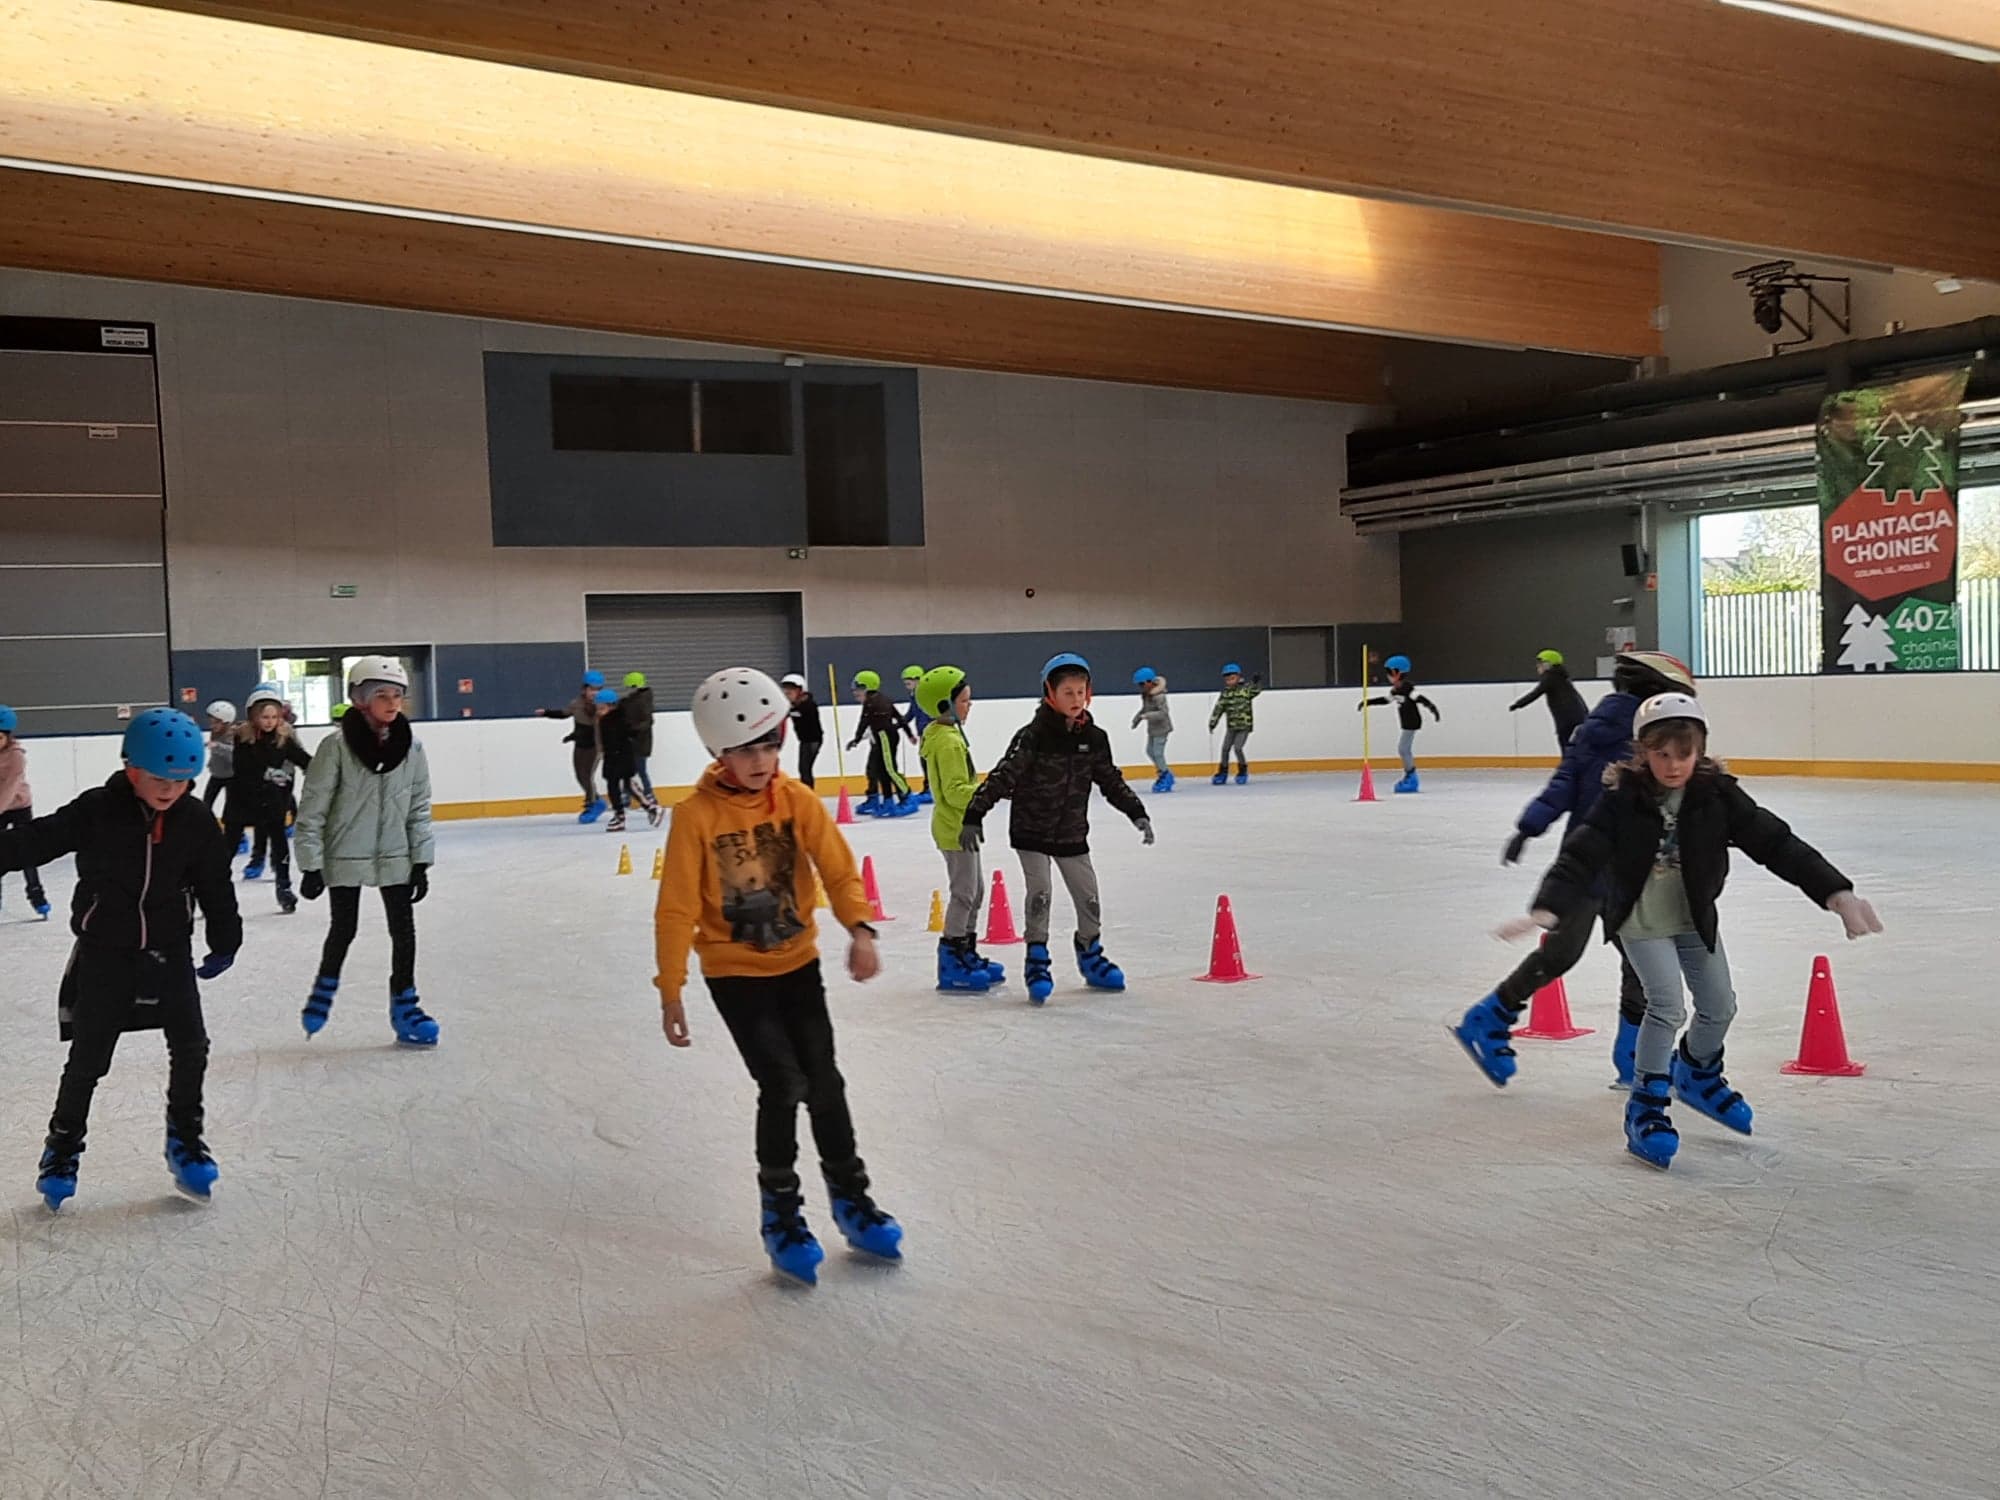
<point x="1473" y="416"/>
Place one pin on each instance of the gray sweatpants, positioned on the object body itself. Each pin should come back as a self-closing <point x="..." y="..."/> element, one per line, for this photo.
<point x="1233" y="741"/>
<point x="1406" y="747"/>
<point x="961" y="913"/>
<point x="1660" y="964"/>
<point x="1081" y="878"/>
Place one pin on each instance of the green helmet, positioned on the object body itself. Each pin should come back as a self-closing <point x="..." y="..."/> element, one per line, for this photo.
<point x="868" y="682"/>
<point x="909" y="672"/>
<point x="339" y="711"/>
<point x="635" y="679"/>
<point x="936" y="690"/>
<point x="1549" y="658"/>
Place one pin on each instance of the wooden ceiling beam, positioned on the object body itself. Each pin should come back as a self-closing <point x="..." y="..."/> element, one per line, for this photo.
<point x="1667" y="119"/>
<point x="94" y="227"/>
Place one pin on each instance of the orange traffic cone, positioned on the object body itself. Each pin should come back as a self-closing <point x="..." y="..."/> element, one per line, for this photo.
<point x="1367" y="792"/>
<point x="1000" y="916"/>
<point x="844" y="813"/>
<point x="936" y="923"/>
<point x="1823" y="1044"/>
<point x="873" y="891"/>
<point x="1548" y="1014"/>
<point x="1225" y="953"/>
<point x="660" y="863"/>
<point x="624" y="859"/>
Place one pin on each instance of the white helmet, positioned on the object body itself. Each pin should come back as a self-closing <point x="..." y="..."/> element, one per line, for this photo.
<point x="263" y="692"/>
<point x="735" y="706"/>
<point x="792" y="679"/>
<point x="377" y="669"/>
<point x="222" y="709"/>
<point x="1664" y="708"/>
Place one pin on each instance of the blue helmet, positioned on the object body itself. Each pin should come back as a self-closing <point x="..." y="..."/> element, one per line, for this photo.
<point x="593" y="679"/>
<point x="1396" y="664"/>
<point x="1056" y="663"/>
<point x="1143" y="676"/>
<point x="167" y="743"/>
<point x="1232" y="669"/>
<point x="8" y="719"/>
<point x="606" y="695"/>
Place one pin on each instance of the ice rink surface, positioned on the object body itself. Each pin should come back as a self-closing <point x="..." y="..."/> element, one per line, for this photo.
<point x="1278" y="1239"/>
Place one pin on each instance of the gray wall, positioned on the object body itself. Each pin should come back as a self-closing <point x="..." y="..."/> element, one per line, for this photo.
<point x="1480" y="600"/>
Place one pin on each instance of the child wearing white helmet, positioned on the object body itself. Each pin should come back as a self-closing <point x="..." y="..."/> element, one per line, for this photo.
<point x="365" y="819"/>
<point x="806" y="726"/>
<point x="1655" y="847"/>
<point x="259" y="795"/>
<point x="221" y="749"/>
<point x="17" y="807"/>
<point x="745" y="854"/>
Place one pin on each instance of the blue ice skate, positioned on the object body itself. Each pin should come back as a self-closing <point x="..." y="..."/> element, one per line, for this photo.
<point x="1409" y="783"/>
<point x="863" y="1225"/>
<point x="193" y="1168"/>
<point x="996" y="974"/>
<point x="56" y="1179"/>
<point x="1486" y="1034"/>
<point x="1170" y="782"/>
<point x="242" y="843"/>
<point x="1041" y="978"/>
<point x="1220" y="778"/>
<point x="319" y="1005"/>
<point x="868" y="807"/>
<point x="1099" y="972"/>
<point x="790" y="1244"/>
<point x="1625" y="1053"/>
<point x="1243" y="778"/>
<point x="592" y="810"/>
<point x="254" y="870"/>
<point x="924" y="798"/>
<point x="41" y="906"/>
<point x="1705" y="1091"/>
<point x="902" y="807"/>
<point x="413" y="1028"/>
<point x="1649" y="1133"/>
<point x="955" y="971"/>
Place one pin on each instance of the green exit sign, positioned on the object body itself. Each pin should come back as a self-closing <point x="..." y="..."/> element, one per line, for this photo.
<point x="344" y="591"/>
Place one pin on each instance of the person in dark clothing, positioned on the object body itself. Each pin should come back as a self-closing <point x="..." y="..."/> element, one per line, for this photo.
<point x="1403" y="692"/>
<point x="637" y="708"/>
<point x="1656" y="846"/>
<point x="617" y="740"/>
<point x="143" y="846"/>
<point x="581" y="711"/>
<point x="1047" y="774"/>
<point x="806" y="726"/>
<point x="259" y="796"/>
<point x="1552" y="682"/>
<point x="888" y="793"/>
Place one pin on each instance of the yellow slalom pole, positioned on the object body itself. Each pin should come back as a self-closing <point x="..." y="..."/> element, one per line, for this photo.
<point x="839" y="739"/>
<point x="1364" y="705"/>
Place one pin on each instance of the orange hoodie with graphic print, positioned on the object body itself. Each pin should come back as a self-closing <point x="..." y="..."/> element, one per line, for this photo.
<point x="737" y="886"/>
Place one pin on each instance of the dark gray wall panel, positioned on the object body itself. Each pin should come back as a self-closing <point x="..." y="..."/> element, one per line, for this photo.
<point x="83" y="460"/>
<point x="60" y="674"/>
<point x="67" y="386"/>
<point x="1010" y="665"/>
<point x="63" y="531"/>
<point x="81" y="601"/>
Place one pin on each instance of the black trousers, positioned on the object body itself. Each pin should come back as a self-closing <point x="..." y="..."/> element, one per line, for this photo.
<point x="215" y="788"/>
<point x="583" y="761"/>
<point x="1559" y="954"/>
<point x="884" y="780"/>
<point x="107" y="992"/>
<point x="269" y="827"/>
<point x="808" y="754"/>
<point x="30" y="876"/>
<point x="344" y="904"/>
<point x="781" y="1026"/>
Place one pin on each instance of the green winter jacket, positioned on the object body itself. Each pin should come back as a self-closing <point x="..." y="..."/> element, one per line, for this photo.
<point x="949" y="778"/>
<point x="365" y="812"/>
<point x="1234" y="703"/>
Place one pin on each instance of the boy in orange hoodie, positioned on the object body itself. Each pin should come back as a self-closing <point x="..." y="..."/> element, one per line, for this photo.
<point x="738" y="888"/>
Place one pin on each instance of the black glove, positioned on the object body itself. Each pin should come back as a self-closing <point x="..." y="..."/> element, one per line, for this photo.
<point x="214" y="965"/>
<point x="420" y="883"/>
<point x="1257" y="678"/>
<point x="312" y="885"/>
<point x="1511" y="855"/>
<point x="1145" y="827"/>
<point x="971" y="836"/>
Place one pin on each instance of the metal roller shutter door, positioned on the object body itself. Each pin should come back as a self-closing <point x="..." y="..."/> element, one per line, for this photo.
<point x="677" y="640"/>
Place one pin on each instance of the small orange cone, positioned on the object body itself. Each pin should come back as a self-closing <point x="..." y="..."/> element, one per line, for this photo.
<point x="1000" y="916"/>
<point x="1548" y="1015"/>
<point x="937" y="912"/>
<point x="1225" y="954"/>
<point x="624" y="859"/>
<point x="844" y="813"/>
<point x="1367" y="792"/>
<point x="659" y="863"/>
<point x="873" y="891"/>
<point x="1823" y="1044"/>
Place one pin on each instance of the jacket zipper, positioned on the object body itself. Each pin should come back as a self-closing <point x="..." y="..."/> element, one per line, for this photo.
<point x="146" y="884"/>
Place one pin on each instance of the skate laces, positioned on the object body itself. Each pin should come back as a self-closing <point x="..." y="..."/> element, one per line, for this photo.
<point x="861" y="1209"/>
<point x="783" y="1220"/>
<point x="190" y="1151"/>
<point x="58" y="1161"/>
<point x="1709" y="1084"/>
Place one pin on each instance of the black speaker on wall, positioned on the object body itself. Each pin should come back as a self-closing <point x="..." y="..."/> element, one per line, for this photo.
<point x="1635" y="560"/>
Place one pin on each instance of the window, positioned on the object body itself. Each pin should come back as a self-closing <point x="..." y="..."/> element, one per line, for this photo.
<point x="743" y="416"/>
<point x="1759" y="592"/>
<point x="313" y="681"/>
<point x="847" y="466"/>
<point x="621" y="414"/>
<point x="1979" y="579"/>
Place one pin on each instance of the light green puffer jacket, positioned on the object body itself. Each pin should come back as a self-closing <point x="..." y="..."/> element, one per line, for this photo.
<point x="357" y="826"/>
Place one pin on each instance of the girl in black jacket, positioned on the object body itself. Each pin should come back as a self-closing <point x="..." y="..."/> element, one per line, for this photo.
<point x="143" y="846"/>
<point x="259" y="796"/>
<point x="1660" y="835"/>
<point x="1565" y="702"/>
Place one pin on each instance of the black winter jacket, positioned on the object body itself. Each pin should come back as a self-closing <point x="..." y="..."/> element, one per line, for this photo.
<point x="878" y="716"/>
<point x="260" y="786"/>
<point x="135" y="869"/>
<point x="1622" y="835"/>
<point x="1048" y="772"/>
<point x="804" y="714"/>
<point x="617" y="743"/>
<point x="1565" y="702"/>
<point x="637" y="708"/>
<point x="1406" y="698"/>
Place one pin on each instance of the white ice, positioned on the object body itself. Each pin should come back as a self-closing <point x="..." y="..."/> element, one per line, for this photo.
<point x="1278" y="1239"/>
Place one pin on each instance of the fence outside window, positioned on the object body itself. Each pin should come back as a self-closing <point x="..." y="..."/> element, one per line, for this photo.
<point x="1778" y="634"/>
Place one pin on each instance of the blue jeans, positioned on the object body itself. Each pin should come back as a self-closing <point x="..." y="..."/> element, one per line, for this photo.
<point x="1661" y="964"/>
<point x="1156" y="752"/>
<point x="645" y="777"/>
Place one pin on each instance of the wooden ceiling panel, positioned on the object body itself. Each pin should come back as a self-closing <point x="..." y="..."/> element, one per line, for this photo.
<point x="1680" y="119"/>
<point x="54" y="222"/>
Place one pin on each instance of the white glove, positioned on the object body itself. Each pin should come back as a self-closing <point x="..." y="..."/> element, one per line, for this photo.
<point x="1856" y="915"/>
<point x="1519" y="927"/>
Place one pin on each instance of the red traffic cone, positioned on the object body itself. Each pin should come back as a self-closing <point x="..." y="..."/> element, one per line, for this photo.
<point x="1823" y="1044"/>
<point x="844" y="814"/>
<point x="1548" y="1014"/>
<point x="873" y="891"/>
<point x="1000" y="927"/>
<point x="1367" y="792"/>
<point x="1225" y="953"/>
